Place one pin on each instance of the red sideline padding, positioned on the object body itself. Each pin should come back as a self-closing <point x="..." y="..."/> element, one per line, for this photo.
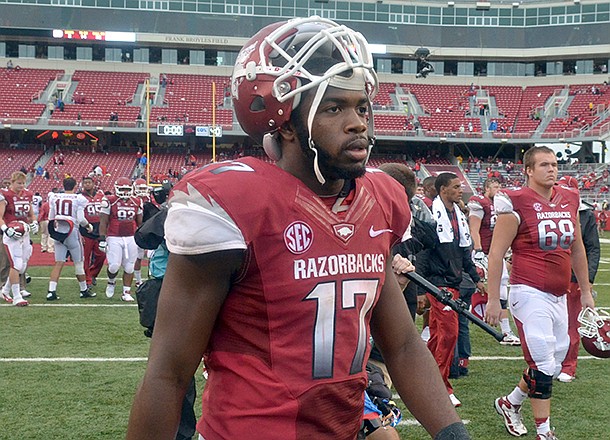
<point x="42" y="258"/>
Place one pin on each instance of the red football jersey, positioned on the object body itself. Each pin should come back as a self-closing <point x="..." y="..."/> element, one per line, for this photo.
<point x="123" y="215"/>
<point x="483" y="208"/>
<point x="426" y="200"/>
<point x="541" y="249"/>
<point x="288" y="350"/>
<point x="92" y="210"/>
<point x="17" y="206"/>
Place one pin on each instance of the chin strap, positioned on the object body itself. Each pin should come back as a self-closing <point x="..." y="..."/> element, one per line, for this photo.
<point x="312" y="113"/>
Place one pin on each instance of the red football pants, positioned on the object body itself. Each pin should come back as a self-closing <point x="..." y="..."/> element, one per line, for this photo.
<point x="443" y="335"/>
<point x="94" y="258"/>
<point x="574" y="307"/>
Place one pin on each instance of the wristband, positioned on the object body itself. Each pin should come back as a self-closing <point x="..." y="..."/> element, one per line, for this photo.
<point x="3" y="228"/>
<point x="102" y="238"/>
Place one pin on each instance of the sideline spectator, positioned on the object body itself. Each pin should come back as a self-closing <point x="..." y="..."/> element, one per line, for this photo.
<point x="443" y="266"/>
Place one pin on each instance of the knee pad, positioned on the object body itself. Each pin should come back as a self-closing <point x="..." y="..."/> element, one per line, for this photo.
<point x="129" y="267"/>
<point x="504" y="304"/>
<point x="79" y="268"/>
<point x="539" y="385"/>
<point x="114" y="267"/>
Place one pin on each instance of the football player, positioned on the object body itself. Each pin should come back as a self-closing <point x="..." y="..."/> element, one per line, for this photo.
<point x="279" y="273"/>
<point x="590" y="238"/>
<point x="482" y="220"/>
<point x="540" y="223"/>
<point x="94" y="257"/>
<point x="142" y="192"/>
<point x="120" y="216"/>
<point x="16" y="222"/>
<point x="66" y="214"/>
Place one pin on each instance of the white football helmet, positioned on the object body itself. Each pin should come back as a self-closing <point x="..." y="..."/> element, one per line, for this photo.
<point x="140" y="188"/>
<point x="123" y="188"/>
<point x="274" y="67"/>
<point x="595" y="331"/>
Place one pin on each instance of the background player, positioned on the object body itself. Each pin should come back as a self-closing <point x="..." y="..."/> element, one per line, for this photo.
<point x="142" y="192"/>
<point x="540" y="223"/>
<point x="66" y="212"/>
<point x="482" y="219"/>
<point x="244" y="281"/>
<point x="93" y="256"/>
<point x="590" y="238"/>
<point x="120" y="216"/>
<point x="16" y="206"/>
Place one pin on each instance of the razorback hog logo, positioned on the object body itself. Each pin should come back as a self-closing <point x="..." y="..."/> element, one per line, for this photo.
<point x="344" y="231"/>
<point x="298" y="237"/>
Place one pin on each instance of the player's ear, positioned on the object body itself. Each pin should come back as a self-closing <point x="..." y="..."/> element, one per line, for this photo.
<point x="287" y="131"/>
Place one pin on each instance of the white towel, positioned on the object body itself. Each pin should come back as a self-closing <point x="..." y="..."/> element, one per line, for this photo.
<point x="444" y="229"/>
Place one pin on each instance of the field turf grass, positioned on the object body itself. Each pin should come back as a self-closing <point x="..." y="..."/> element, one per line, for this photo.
<point x="69" y="370"/>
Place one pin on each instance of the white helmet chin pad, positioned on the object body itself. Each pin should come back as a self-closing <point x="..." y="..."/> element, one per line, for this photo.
<point x="271" y="146"/>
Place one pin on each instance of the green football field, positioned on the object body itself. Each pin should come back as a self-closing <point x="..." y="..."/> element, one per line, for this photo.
<point x="68" y="370"/>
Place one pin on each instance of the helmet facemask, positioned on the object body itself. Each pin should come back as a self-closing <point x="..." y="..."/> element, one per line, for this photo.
<point x="595" y="329"/>
<point x="285" y="58"/>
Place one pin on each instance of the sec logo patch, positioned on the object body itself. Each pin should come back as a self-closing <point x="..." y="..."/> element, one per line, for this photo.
<point x="298" y="237"/>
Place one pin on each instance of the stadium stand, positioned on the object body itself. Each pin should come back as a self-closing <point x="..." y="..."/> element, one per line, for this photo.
<point x="79" y="165"/>
<point x="15" y="159"/>
<point x="188" y="98"/>
<point x="97" y="95"/>
<point x="19" y="91"/>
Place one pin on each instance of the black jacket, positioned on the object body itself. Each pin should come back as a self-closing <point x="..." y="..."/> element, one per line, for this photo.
<point x="443" y="264"/>
<point x="590" y="238"/>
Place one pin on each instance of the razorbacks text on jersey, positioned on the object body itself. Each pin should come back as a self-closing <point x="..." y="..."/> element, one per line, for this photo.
<point x="17" y="206"/>
<point x="541" y="249"/>
<point x="482" y="207"/>
<point x="123" y="213"/>
<point x="295" y="323"/>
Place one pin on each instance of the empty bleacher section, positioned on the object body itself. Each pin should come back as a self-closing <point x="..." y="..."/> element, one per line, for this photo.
<point x="446" y="108"/>
<point x="188" y="98"/>
<point x="78" y="165"/>
<point x="508" y="102"/>
<point x="531" y="108"/>
<point x="19" y="88"/>
<point x="586" y="104"/>
<point x="97" y="96"/>
<point x="172" y="165"/>
<point x="12" y="160"/>
<point x="383" y="97"/>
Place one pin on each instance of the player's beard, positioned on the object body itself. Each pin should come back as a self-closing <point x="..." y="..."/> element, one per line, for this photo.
<point x="325" y="161"/>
